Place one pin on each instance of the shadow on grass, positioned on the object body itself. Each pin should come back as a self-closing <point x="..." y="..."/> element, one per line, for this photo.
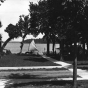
<point x="36" y="59"/>
<point x="35" y="76"/>
<point x="23" y="54"/>
<point x="22" y="80"/>
<point x="68" y="84"/>
<point x="21" y="76"/>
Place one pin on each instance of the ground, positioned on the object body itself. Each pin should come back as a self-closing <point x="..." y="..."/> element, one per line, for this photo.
<point x="37" y="78"/>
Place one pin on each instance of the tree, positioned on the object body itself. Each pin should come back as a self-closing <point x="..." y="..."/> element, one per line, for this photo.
<point x="13" y="32"/>
<point x="24" y="26"/>
<point x="63" y="17"/>
<point x="79" y="24"/>
<point x="57" y="21"/>
<point x="39" y="16"/>
<point x="68" y="15"/>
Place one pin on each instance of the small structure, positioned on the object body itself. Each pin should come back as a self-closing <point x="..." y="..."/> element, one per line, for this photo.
<point x="57" y="50"/>
<point x="32" y="48"/>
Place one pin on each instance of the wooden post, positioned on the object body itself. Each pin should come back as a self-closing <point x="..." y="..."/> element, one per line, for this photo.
<point x="75" y="73"/>
<point x="75" y="67"/>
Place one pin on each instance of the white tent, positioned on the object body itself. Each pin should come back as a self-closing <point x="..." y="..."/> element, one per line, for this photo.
<point x="32" y="47"/>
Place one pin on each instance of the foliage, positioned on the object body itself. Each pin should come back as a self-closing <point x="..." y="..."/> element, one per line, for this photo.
<point x="13" y="31"/>
<point x="66" y="15"/>
<point x="23" y="24"/>
<point x="38" y="16"/>
<point x="39" y="19"/>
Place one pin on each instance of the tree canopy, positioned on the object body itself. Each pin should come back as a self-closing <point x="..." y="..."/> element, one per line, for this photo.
<point x="62" y="19"/>
<point x="13" y="32"/>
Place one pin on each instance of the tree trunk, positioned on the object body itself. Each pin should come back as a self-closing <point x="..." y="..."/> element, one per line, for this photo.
<point x="5" y="43"/>
<point x="61" y="50"/>
<point x="22" y="43"/>
<point x="75" y="72"/>
<point x="83" y="49"/>
<point x="48" y="46"/>
<point x="53" y="45"/>
<point x="75" y="67"/>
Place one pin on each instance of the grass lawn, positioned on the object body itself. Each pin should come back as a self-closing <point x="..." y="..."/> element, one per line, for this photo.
<point x="22" y="81"/>
<point x="24" y="60"/>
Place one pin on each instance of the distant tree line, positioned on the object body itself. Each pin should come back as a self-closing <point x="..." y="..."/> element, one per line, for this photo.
<point x="39" y="41"/>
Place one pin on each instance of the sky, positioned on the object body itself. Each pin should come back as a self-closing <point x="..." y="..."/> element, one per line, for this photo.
<point x="10" y="11"/>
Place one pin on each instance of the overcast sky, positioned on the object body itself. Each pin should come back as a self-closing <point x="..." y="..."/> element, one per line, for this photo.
<point x="10" y="11"/>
